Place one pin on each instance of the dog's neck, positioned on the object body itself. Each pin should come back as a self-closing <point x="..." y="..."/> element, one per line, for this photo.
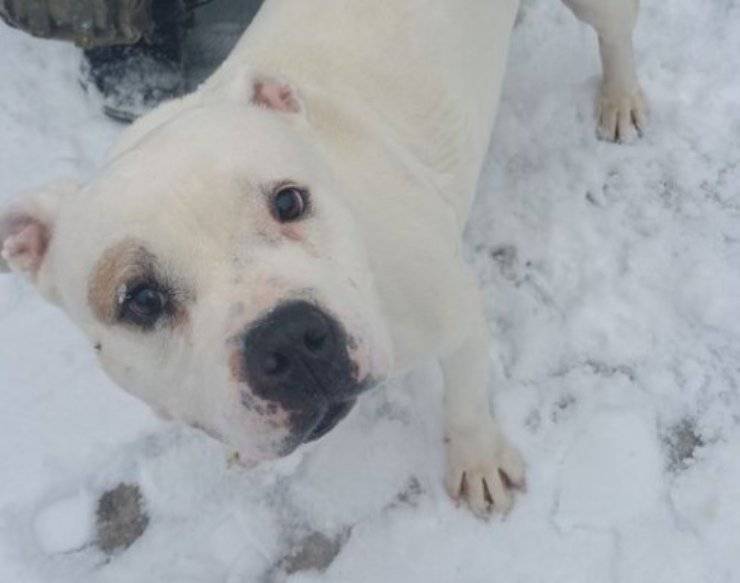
<point x="414" y="248"/>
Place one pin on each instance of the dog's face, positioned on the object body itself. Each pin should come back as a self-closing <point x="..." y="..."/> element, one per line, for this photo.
<point x="218" y="272"/>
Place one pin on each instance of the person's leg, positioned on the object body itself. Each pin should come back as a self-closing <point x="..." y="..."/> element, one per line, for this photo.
<point x="132" y="48"/>
<point x="135" y="78"/>
<point x="87" y="23"/>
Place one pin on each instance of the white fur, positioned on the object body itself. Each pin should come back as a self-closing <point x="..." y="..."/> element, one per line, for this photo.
<point x="387" y="116"/>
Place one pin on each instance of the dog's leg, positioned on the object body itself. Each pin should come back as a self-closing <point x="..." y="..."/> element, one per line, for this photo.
<point x="622" y="111"/>
<point x="481" y="466"/>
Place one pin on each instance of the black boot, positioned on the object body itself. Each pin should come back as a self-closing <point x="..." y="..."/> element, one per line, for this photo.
<point x="134" y="79"/>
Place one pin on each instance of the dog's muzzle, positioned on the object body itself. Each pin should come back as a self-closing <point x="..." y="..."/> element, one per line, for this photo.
<point x="297" y="356"/>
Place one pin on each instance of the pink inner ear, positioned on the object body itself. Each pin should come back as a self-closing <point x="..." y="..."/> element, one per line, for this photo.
<point x="24" y="250"/>
<point x="277" y="96"/>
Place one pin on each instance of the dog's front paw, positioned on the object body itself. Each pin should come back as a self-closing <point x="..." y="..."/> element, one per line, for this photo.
<point x="482" y="469"/>
<point x="622" y="114"/>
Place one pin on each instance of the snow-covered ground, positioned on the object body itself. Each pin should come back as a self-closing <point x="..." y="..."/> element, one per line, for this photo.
<point x="613" y="279"/>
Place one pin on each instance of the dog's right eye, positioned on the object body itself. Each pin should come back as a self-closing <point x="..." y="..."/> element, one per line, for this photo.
<point x="143" y="306"/>
<point x="289" y="204"/>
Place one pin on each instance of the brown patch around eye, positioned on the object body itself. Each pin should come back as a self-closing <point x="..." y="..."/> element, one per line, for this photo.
<point x="123" y="262"/>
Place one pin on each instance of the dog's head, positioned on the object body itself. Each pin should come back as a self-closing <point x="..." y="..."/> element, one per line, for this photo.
<point x="217" y="270"/>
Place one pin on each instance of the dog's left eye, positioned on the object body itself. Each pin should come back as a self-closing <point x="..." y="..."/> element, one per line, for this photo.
<point x="289" y="204"/>
<point x="144" y="305"/>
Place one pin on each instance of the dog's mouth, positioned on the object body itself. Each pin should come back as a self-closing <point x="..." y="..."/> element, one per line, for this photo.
<point x="329" y="420"/>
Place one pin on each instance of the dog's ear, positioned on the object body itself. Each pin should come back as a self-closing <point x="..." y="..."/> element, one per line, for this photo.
<point x="276" y="94"/>
<point x="269" y="92"/>
<point x="27" y="228"/>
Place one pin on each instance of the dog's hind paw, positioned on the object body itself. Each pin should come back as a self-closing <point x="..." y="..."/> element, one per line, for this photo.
<point x="622" y="115"/>
<point x="482" y="469"/>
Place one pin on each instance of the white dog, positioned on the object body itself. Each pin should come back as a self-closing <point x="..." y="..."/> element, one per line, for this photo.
<point x="253" y="256"/>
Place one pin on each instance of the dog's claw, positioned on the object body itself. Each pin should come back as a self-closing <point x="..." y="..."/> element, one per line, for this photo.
<point x="483" y="470"/>
<point x="622" y="117"/>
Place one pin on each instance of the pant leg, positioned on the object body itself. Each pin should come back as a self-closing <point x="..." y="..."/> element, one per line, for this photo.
<point x="87" y="23"/>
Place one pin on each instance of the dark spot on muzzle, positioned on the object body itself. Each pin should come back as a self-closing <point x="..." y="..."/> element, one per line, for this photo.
<point x="298" y="357"/>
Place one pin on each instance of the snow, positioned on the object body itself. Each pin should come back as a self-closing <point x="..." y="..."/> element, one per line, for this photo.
<point x="66" y="525"/>
<point x="613" y="279"/>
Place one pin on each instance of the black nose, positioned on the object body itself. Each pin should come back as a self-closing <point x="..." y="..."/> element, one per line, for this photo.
<point x="297" y="356"/>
